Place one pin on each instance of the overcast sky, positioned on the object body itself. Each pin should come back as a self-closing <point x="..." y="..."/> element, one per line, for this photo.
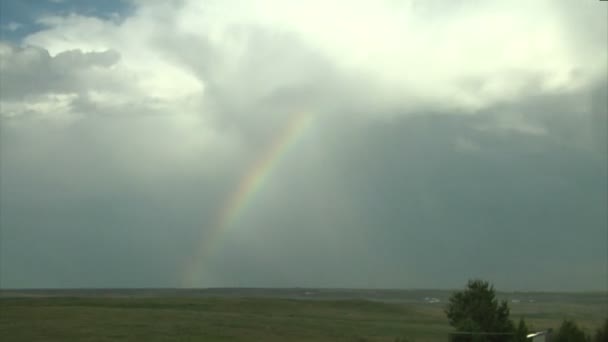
<point x="446" y="140"/>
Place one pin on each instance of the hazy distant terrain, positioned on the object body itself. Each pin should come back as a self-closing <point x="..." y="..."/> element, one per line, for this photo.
<point x="262" y="314"/>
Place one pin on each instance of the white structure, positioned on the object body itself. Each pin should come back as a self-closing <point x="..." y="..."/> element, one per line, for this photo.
<point x="541" y="336"/>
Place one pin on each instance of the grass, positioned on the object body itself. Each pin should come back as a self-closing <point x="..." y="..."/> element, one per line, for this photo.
<point x="250" y="319"/>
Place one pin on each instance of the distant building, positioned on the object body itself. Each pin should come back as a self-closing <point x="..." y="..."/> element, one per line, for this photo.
<point x="432" y="300"/>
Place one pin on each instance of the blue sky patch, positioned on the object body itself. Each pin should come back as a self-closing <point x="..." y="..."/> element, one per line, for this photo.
<point x="19" y="18"/>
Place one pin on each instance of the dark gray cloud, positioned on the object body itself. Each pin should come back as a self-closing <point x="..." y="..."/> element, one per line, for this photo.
<point x="361" y="203"/>
<point x="31" y="71"/>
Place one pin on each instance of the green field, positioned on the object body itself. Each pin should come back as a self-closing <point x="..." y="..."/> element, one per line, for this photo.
<point x="262" y="318"/>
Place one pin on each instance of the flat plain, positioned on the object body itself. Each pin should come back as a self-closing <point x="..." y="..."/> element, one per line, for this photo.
<point x="264" y="314"/>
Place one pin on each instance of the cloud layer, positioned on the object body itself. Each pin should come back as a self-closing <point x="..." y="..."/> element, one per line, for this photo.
<point x="450" y="140"/>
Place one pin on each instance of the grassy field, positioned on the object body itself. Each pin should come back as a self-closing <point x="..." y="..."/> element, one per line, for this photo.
<point x="234" y="318"/>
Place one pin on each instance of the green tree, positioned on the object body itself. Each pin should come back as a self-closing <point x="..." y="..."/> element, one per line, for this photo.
<point x="477" y="310"/>
<point x="569" y="332"/>
<point x="522" y="331"/>
<point x="601" y="335"/>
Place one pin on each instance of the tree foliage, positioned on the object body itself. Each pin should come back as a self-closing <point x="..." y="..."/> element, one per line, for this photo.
<point x="569" y="332"/>
<point x="476" y="309"/>
<point x="601" y="335"/>
<point x="522" y="331"/>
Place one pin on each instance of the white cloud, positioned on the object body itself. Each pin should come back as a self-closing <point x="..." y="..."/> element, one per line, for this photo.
<point x="246" y="60"/>
<point x="466" y="56"/>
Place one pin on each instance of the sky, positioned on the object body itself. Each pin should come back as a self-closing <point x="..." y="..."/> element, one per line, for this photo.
<point x="267" y="143"/>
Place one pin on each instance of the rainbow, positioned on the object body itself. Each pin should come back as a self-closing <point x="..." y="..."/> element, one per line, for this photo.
<point x="253" y="180"/>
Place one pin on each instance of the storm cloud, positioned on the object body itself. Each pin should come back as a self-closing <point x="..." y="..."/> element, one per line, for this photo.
<point x="448" y="140"/>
